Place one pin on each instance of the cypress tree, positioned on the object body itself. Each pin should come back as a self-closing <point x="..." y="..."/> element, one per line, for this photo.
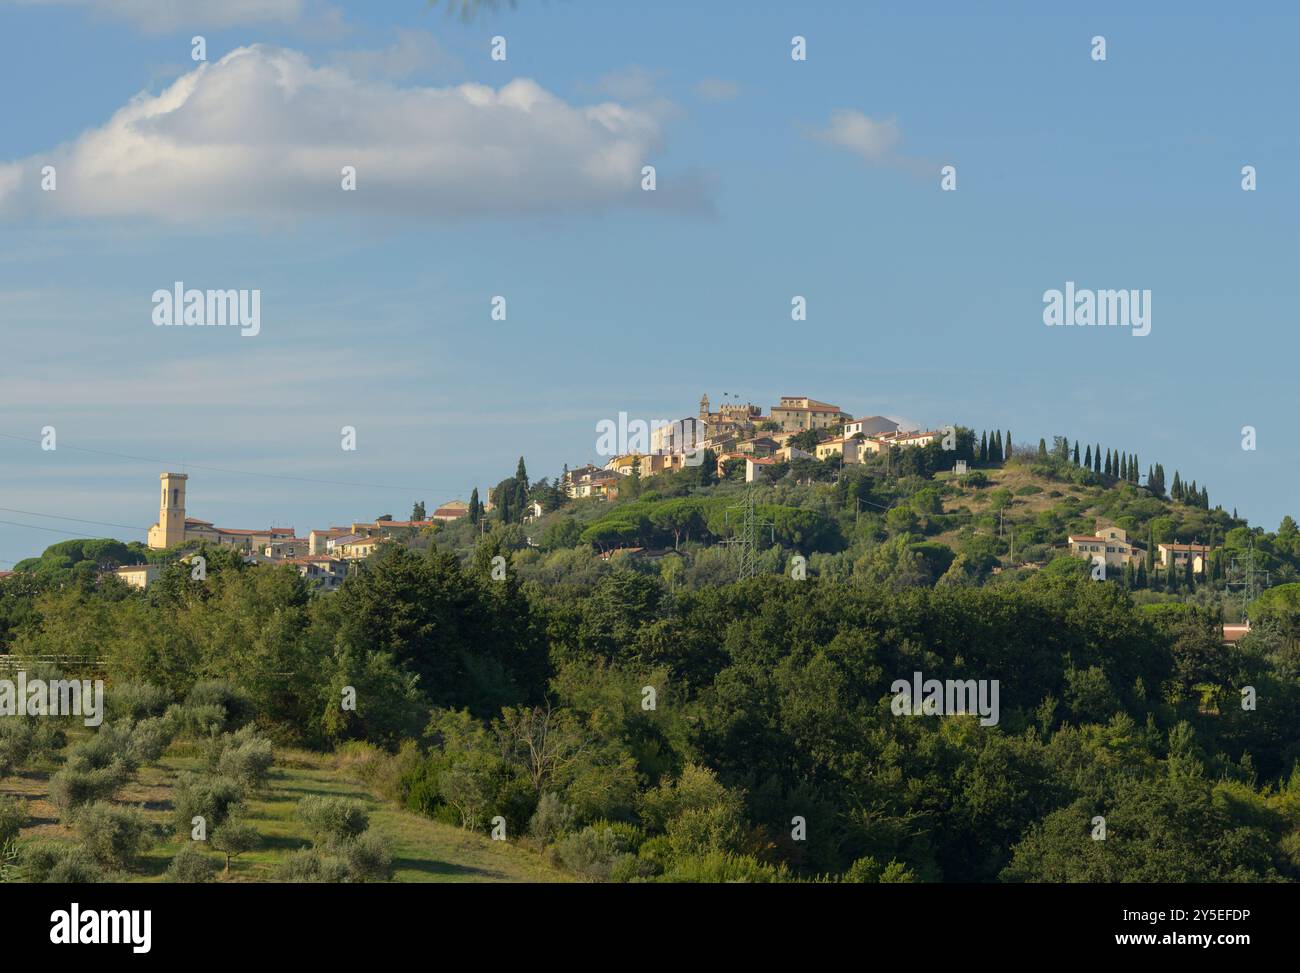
<point x="1141" y="575"/>
<point x="1189" y="578"/>
<point x="1042" y="449"/>
<point x="1123" y="466"/>
<point x="1076" y="452"/>
<point x="1096" y="460"/>
<point x="1087" y="458"/>
<point x="475" y="507"/>
<point x="1006" y="447"/>
<point x="1107" y="470"/>
<point x="984" y="446"/>
<point x="997" y="454"/>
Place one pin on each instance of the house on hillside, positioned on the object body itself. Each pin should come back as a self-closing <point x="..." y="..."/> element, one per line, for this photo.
<point x="1178" y="554"/>
<point x="139" y="575"/>
<point x="1110" y="543"/>
<point x="756" y="466"/>
<point x="870" y="426"/>
<point x="850" y="449"/>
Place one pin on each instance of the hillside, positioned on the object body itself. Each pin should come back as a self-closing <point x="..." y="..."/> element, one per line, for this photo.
<point x="423" y="850"/>
<point x="901" y="518"/>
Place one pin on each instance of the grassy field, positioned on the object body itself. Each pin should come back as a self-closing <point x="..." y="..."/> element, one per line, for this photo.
<point x="423" y="850"/>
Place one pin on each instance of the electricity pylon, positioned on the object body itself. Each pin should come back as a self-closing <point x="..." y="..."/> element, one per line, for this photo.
<point x="746" y="539"/>
<point x="1250" y="579"/>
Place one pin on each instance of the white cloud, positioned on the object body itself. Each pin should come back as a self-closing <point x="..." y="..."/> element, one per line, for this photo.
<point x="717" y="89"/>
<point x="160" y="16"/>
<point x="263" y="133"/>
<point x="873" y="140"/>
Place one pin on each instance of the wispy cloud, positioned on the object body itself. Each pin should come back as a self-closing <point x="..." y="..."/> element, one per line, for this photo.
<point x="263" y="134"/>
<point x="717" y="89"/>
<point x="873" y="141"/>
<point x="163" y="16"/>
<point x="414" y="52"/>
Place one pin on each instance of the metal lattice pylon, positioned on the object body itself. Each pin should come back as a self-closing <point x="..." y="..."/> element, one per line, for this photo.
<point x="746" y="539"/>
<point x="1248" y="577"/>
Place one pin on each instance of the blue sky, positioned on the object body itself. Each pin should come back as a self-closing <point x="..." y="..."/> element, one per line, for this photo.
<point x="922" y="304"/>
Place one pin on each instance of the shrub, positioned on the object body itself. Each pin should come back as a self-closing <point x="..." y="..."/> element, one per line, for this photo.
<point x="13" y="815"/>
<point x="630" y="868"/>
<point x="70" y="789"/>
<point x="191" y="866"/>
<point x="236" y="707"/>
<point x="210" y="797"/>
<point x="57" y="861"/>
<point x="369" y="858"/>
<point x="552" y="819"/>
<point x="110" y="745"/>
<point x="195" y="721"/>
<point x="717" y="867"/>
<point x="333" y="819"/>
<point x="149" y="739"/>
<point x="592" y="853"/>
<point x="136" y="701"/>
<point x="246" y="758"/>
<point x="388" y="774"/>
<point x="112" y="835"/>
<point x="869" y="871"/>
<point x="15" y="744"/>
<point x="309" y="865"/>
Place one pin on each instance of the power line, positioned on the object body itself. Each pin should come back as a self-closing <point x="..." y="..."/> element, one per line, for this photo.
<point x="53" y="530"/>
<point x="78" y="520"/>
<point x="222" y="469"/>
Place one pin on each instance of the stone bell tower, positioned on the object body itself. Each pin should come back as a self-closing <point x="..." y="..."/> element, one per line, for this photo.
<point x="170" y="529"/>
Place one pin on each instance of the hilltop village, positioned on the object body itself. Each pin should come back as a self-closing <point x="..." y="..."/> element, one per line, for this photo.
<point x="799" y="438"/>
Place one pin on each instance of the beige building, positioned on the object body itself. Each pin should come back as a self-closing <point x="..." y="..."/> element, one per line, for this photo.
<point x="139" y="575"/>
<point x="732" y="418"/>
<point x="796" y="413"/>
<point x="327" y="572"/>
<point x="913" y="438"/>
<point x="287" y="548"/>
<point x="1177" y="554"/>
<point x="173" y="527"/>
<point x="1111" y="543"/>
<point x="852" y="450"/>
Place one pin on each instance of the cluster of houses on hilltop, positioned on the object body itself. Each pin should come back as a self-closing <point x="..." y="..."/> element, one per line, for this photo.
<point x="323" y="555"/>
<point x="738" y="431"/>
<point x="1112" y="545"/>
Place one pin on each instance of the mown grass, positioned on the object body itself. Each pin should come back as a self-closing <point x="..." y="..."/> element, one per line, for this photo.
<point x="423" y="850"/>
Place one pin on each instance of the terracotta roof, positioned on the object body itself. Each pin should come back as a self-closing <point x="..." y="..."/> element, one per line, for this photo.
<point x="1075" y="538"/>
